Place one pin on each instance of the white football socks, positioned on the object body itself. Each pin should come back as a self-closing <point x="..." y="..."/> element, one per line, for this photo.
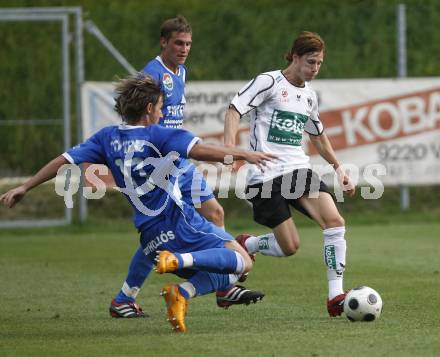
<point x="334" y="257"/>
<point x="334" y="254"/>
<point x="189" y="288"/>
<point x="266" y="244"/>
<point x="233" y="278"/>
<point x="188" y="260"/>
<point x="240" y="263"/>
<point x="131" y="292"/>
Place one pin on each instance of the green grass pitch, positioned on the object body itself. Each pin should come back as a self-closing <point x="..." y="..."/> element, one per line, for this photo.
<point x="56" y="285"/>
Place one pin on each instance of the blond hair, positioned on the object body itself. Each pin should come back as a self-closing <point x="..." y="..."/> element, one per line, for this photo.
<point x="176" y="24"/>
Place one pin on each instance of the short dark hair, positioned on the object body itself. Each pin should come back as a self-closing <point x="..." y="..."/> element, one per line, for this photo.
<point x="133" y="94"/>
<point x="306" y="42"/>
<point x="176" y="24"/>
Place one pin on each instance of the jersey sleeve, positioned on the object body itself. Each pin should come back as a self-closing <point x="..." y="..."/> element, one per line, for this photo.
<point x="91" y="151"/>
<point x="150" y="70"/>
<point x="253" y="94"/>
<point x="167" y="140"/>
<point x="313" y="125"/>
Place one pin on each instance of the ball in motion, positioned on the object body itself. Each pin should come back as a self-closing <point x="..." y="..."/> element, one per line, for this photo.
<point x="363" y="304"/>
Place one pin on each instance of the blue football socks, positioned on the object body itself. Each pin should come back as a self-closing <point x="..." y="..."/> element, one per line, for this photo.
<point x="217" y="260"/>
<point x="205" y="282"/>
<point x="139" y="269"/>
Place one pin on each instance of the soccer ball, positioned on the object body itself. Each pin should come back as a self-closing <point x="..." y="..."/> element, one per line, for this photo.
<point x="363" y="304"/>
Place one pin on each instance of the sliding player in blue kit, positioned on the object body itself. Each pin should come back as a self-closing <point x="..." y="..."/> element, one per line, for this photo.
<point x="170" y="73"/>
<point x="144" y="160"/>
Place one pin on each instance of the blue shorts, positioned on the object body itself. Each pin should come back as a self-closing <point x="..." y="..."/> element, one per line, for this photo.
<point x="182" y="231"/>
<point x="194" y="188"/>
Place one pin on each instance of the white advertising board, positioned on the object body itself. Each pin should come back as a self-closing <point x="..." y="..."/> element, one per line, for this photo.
<point x="392" y="122"/>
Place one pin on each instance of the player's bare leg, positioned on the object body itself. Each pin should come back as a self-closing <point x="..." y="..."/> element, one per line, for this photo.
<point x="287" y="236"/>
<point x="323" y="210"/>
<point x="283" y="242"/>
<point x="213" y="211"/>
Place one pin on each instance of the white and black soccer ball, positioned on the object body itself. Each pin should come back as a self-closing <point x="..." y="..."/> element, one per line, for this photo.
<point x="363" y="304"/>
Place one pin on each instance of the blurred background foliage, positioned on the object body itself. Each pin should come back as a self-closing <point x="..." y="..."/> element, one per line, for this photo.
<point x="232" y="40"/>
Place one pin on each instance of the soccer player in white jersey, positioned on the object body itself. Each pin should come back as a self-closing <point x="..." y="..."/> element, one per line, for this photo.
<point x="283" y="106"/>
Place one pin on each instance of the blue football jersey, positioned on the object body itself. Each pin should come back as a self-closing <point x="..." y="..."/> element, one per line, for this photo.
<point x="173" y="88"/>
<point x="144" y="164"/>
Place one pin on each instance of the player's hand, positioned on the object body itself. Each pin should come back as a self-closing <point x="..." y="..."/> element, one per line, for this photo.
<point x="259" y="158"/>
<point x="347" y="185"/>
<point x="233" y="165"/>
<point x="10" y="198"/>
<point x="236" y="164"/>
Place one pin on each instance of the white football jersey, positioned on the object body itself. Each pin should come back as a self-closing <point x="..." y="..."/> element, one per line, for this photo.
<point x="280" y="113"/>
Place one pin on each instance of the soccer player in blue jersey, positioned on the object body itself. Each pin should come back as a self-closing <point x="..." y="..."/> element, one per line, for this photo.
<point x="145" y="160"/>
<point x="169" y="71"/>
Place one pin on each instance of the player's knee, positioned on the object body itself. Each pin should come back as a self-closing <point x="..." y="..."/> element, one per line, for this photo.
<point x="335" y="221"/>
<point x="290" y="249"/>
<point x="216" y="216"/>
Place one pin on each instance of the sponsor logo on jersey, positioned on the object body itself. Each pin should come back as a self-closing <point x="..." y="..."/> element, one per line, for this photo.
<point x="175" y="111"/>
<point x="284" y="96"/>
<point x="167" y="81"/>
<point x="286" y="128"/>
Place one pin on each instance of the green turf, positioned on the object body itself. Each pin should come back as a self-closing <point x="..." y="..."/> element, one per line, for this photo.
<point x="56" y="285"/>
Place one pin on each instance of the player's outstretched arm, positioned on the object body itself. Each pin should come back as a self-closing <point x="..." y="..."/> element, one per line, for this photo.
<point x="325" y="149"/>
<point x="46" y="173"/>
<point x="206" y="152"/>
<point x="232" y="121"/>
